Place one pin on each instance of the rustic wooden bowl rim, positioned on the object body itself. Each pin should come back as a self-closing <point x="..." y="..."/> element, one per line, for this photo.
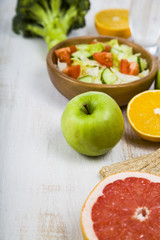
<point x="53" y="66"/>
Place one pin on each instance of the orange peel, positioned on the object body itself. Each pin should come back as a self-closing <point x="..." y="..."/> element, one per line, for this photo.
<point x="143" y="113"/>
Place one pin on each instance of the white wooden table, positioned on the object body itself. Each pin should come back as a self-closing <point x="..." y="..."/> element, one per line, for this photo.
<point x="43" y="181"/>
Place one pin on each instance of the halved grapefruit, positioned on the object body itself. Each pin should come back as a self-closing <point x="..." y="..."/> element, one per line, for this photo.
<point x="123" y="206"/>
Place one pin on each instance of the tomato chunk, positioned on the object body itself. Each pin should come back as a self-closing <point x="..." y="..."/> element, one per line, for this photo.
<point x="72" y="71"/>
<point x="133" y="68"/>
<point x="72" y="49"/>
<point x="104" y="58"/>
<point x="63" y="54"/>
<point x="107" y="48"/>
<point x="130" y="68"/>
<point x="124" y="66"/>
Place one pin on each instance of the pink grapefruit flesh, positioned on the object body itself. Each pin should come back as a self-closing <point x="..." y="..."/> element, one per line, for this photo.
<point x="123" y="206"/>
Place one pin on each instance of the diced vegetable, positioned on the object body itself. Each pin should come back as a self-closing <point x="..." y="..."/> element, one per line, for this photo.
<point x="73" y="48"/>
<point x="72" y="71"/>
<point x="142" y="64"/>
<point x="144" y="73"/>
<point x="91" y="48"/>
<point x="124" y="66"/>
<point x="94" y="71"/>
<point x="124" y="78"/>
<point x="87" y="79"/>
<point x="84" y="61"/>
<point x="107" y="48"/>
<point x="80" y="54"/>
<point x="61" y="65"/>
<point x="108" y="63"/>
<point x="122" y="52"/>
<point x="104" y="58"/>
<point x="108" y="77"/>
<point x="88" y="50"/>
<point x="131" y="68"/>
<point x="64" y="55"/>
<point x="113" y="42"/>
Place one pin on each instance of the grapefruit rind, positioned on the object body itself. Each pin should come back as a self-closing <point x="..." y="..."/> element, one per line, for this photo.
<point x="86" y="221"/>
<point x="143" y="135"/>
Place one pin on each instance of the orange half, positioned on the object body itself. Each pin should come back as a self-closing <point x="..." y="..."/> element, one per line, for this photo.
<point x="143" y="113"/>
<point x="113" y="22"/>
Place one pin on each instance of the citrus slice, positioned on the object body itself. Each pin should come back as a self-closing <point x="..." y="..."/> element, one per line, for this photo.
<point x="123" y="206"/>
<point x="143" y="113"/>
<point x="113" y="22"/>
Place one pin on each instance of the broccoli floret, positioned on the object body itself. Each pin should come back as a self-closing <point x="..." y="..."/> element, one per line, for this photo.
<point x="49" y="19"/>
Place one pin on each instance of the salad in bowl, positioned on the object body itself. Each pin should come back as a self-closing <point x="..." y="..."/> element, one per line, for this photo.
<point x="102" y="62"/>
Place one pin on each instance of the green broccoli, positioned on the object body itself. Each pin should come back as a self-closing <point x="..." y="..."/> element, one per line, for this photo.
<point x="49" y="19"/>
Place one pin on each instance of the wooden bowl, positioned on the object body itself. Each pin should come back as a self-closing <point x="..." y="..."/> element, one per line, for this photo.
<point x="122" y="93"/>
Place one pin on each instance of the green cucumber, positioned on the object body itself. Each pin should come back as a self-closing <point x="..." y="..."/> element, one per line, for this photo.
<point x="87" y="79"/>
<point x="142" y="64"/>
<point x="108" y="77"/>
<point x="157" y="83"/>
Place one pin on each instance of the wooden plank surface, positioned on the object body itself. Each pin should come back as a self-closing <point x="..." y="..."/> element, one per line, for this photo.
<point x="44" y="182"/>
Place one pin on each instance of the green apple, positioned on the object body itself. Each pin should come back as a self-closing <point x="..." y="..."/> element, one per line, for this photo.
<point x="157" y="83"/>
<point x="92" y="123"/>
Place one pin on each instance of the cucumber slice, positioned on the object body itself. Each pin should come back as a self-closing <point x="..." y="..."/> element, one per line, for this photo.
<point x="142" y="64"/>
<point x="87" y="79"/>
<point x="108" y="77"/>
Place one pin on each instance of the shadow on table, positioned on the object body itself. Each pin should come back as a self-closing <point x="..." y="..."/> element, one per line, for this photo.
<point x="133" y="142"/>
<point x="136" y="141"/>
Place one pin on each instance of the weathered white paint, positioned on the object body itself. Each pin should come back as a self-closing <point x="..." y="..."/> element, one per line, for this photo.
<point x="43" y="182"/>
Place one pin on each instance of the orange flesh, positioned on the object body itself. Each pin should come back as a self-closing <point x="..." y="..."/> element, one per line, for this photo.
<point x="113" y="22"/>
<point x="144" y="113"/>
<point x="114" y="18"/>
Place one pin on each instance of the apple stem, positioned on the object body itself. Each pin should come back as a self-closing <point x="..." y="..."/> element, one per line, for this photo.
<point x="85" y="105"/>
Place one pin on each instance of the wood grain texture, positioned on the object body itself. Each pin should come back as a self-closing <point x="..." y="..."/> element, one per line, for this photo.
<point x="43" y="181"/>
